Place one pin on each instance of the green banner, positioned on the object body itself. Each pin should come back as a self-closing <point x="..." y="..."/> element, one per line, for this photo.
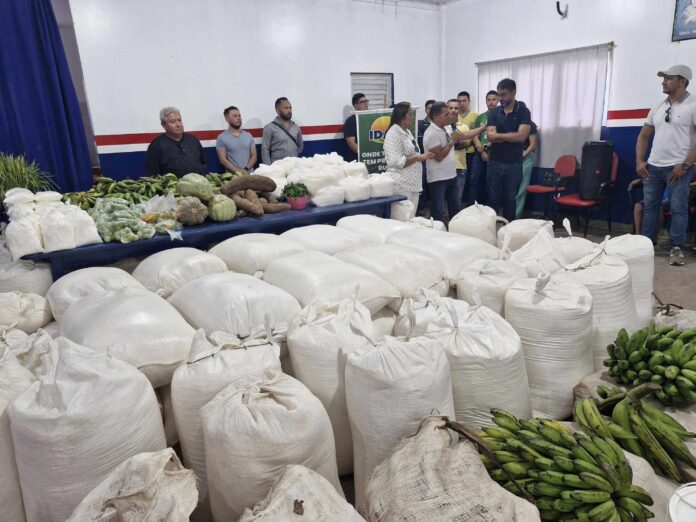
<point x="372" y="127"/>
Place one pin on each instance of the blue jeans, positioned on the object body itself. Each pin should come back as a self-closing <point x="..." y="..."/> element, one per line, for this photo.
<point x="653" y="188"/>
<point x="477" y="181"/>
<point x="503" y="183"/>
<point x="527" y="166"/>
<point x="461" y="183"/>
<point x="439" y="190"/>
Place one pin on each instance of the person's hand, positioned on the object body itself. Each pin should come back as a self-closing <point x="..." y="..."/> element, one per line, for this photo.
<point x="492" y="136"/>
<point x="677" y="172"/>
<point x="457" y="135"/>
<point x="525" y="153"/>
<point x="484" y="156"/>
<point x="634" y="184"/>
<point x="428" y="156"/>
<point x="642" y="169"/>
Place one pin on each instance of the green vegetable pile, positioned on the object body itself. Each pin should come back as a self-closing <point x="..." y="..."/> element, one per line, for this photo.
<point x="119" y="220"/>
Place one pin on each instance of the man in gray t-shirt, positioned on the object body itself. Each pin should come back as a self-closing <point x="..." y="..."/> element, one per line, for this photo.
<point x="235" y="147"/>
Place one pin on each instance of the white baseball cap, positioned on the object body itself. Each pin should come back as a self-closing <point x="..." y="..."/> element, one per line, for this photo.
<point x="677" y="70"/>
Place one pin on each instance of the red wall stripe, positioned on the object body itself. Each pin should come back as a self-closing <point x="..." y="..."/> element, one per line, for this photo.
<point x="147" y="137"/>
<point x="628" y="114"/>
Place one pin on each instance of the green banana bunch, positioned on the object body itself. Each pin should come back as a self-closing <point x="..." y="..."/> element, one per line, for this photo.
<point x="132" y="190"/>
<point x="664" y="356"/>
<point x="570" y="476"/>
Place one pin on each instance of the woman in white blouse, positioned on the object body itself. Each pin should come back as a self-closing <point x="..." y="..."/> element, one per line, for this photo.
<point x="403" y="155"/>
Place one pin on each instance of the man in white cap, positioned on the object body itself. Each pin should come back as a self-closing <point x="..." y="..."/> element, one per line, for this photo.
<point x="672" y="123"/>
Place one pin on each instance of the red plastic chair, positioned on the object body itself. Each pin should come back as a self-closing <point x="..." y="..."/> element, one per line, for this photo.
<point x="566" y="167"/>
<point x="601" y="198"/>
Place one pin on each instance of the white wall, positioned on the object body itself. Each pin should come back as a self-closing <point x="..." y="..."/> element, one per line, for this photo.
<point x="205" y="55"/>
<point x="641" y="29"/>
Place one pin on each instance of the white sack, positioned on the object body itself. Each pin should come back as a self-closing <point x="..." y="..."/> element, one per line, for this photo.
<point x="326" y="238"/>
<point x="403" y="210"/>
<point x="57" y="231"/>
<point x="639" y="254"/>
<point x="31" y="351"/>
<point x="354" y="168"/>
<point x="389" y="389"/>
<point x="376" y="228"/>
<point x="477" y="221"/>
<point x="297" y="484"/>
<point x="428" y="223"/>
<point x="355" y="189"/>
<point x="146" y="487"/>
<point x="383" y="322"/>
<point x="485" y="282"/>
<point x="11" y="336"/>
<point x="84" y="229"/>
<point x="87" y="413"/>
<point x="319" y="339"/>
<point x="25" y="276"/>
<point x="406" y="269"/>
<point x="256" y="428"/>
<point x="487" y="364"/>
<point x="309" y="276"/>
<point x="251" y="253"/>
<point x="676" y="318"/>
<point x="26" y="312"/>
<point x="574" y="247"/>
<point x="24" y="236"/>
<point x="165" y="272"/>
<point x="539" y="254"/>
<point x="18" y="196"/>
<point x="211" y="367"/>
<point x="454" y="251"/>
<point x="522" y="230"/>
<point x="164" y="402"/>
<point x="14" y="379"/>
<point x="609" y="281"/>
<point x="234" y="303"/>
<point x="381" y="186"/>
<point x="317" y="178"/>
<point x="427" y="309"/>
<point x="327" y="196"/>
<point x="271" y="171"/>
<point x="86" y="282"/>
<point x="554" y="322"/>
<point x="48" y="195"/>
<point x="135" y="326"/>
<point x="428" y="476"/>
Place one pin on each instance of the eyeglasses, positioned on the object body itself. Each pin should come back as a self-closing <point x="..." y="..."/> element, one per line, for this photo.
<point x="667" y="114"/>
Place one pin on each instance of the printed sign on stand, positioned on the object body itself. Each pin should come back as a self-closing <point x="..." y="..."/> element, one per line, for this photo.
<point x="372" y="127"/>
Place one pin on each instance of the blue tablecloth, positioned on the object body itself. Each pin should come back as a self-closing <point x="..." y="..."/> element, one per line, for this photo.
<point x="202" y="236"/>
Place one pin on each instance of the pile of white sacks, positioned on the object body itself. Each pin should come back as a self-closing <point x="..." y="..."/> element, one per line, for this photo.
<point x="280" y="362"/>
<point x="41" y="222"/>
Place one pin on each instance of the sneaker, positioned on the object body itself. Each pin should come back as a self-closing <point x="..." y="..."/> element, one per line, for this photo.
<point x="676" y="256"/>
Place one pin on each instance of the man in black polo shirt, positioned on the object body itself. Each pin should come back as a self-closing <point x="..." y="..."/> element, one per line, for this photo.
<point x="174" y="151"/>
<point x="350" y="127"/>
<point x="508" y="128"/>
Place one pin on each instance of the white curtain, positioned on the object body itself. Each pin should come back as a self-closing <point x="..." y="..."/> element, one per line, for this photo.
<point x="564" y="91"/>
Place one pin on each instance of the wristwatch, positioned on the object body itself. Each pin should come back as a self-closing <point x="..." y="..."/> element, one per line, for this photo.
<point x="687" y="166"/>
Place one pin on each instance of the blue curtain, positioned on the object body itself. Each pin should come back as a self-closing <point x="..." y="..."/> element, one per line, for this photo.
<point x="39" y="112"/>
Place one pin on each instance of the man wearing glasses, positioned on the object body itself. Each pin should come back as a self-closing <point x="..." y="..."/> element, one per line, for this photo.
<point x="174" y="151"/>
<point x="672" y="125"/>
<point x="350" y="127"/>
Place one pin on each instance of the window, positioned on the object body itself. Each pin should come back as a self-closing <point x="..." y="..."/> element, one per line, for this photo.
<point x="378" y="87"/>
<point x="565" y="92"/>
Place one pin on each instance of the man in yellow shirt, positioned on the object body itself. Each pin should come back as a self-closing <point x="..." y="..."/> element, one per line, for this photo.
<point x="465" y="121"/>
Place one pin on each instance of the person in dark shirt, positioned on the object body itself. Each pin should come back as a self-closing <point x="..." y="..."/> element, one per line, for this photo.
<point x="350" y="127"/>
<point x="508" y="128"/>
<point x="424" y="199"/>
<point x="174" y="151"/>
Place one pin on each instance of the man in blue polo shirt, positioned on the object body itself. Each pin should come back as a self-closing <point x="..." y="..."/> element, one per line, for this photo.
<point x="508" y="128"/>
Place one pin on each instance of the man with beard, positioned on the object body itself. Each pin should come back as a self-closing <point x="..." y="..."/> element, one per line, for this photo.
<point x="235" y="147"/>
<point x="282" y="137"/>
